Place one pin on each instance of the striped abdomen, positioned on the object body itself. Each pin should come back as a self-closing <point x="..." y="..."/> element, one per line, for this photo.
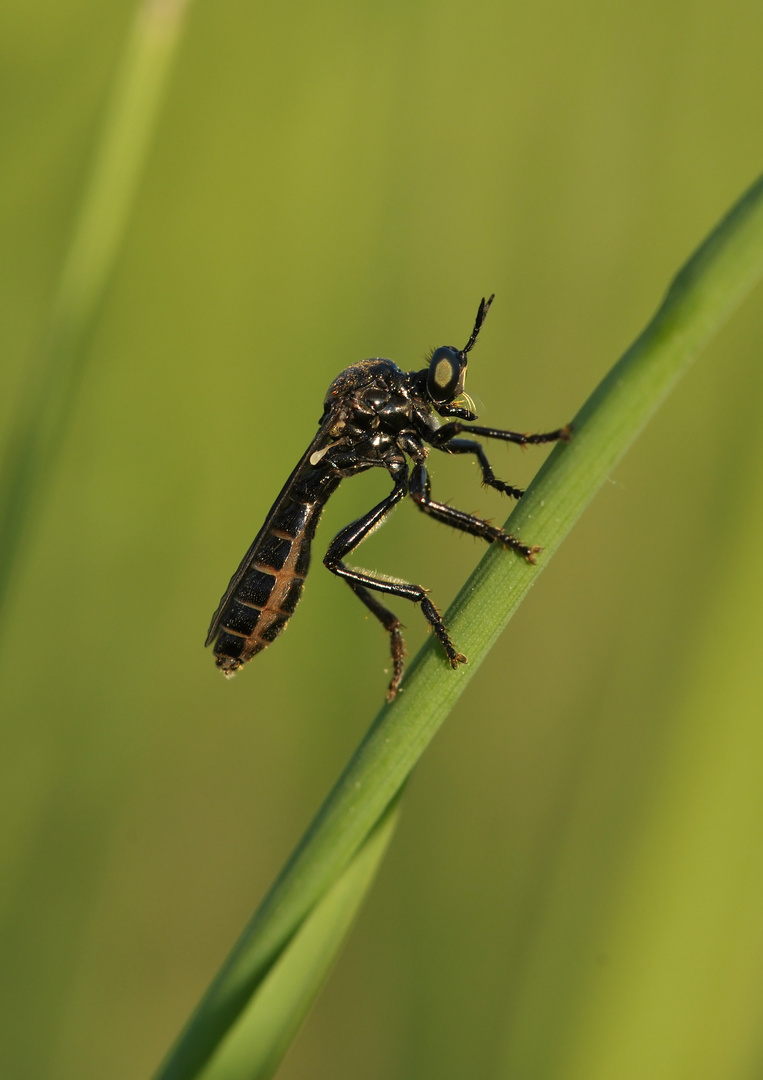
<point x="274" y="572"/>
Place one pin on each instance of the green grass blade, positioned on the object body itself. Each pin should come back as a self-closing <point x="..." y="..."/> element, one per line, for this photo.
<point x="49" y="395"/>
<point x="703" y="294"/>
<point x="256" y="1044"/>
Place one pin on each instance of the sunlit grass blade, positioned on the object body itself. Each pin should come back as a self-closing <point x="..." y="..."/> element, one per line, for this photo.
<point x="49" y="394"/>
<point x="256" y="1044"/>
<point x="703" y="294"/>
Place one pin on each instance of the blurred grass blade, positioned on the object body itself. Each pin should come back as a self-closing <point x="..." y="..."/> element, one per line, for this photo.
<point x="684" y="997"/>
<point x="256" y="1044"/>
<point x="49" y="395"/>
<point x="711" y="284"/>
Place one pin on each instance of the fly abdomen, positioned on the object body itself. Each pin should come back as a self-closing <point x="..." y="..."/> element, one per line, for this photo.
<point x="269" y="590"/>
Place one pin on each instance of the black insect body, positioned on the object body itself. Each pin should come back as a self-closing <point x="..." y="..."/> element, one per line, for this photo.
<point x="375" y="416"/>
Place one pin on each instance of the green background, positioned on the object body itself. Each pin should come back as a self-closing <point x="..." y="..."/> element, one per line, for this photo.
<point x="577" y="885"/>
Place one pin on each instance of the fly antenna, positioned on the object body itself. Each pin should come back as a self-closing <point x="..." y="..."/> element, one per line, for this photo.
<point x="481" y="316"/>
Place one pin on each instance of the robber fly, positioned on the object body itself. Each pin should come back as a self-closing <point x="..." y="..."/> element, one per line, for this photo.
<point x="374" y="416"/>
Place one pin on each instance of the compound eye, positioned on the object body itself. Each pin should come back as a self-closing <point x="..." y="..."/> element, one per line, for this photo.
<point x="445" y="378"/>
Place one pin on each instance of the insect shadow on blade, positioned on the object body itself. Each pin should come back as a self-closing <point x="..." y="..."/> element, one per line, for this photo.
<point x="374" y="416"/>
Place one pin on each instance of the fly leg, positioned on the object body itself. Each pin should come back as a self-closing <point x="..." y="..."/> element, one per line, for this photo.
<point x="471" y="446"/>
<point x="447" y="432"/>
<point x="392" y="625"/>
<point x="459" y="519"/>
<point x="360" y="581"/>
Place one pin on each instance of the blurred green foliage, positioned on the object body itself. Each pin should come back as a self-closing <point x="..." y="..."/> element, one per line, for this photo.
<point x="575" y="888"/>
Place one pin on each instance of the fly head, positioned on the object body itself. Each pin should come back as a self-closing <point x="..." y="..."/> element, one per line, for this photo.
<point x="447" y="368"/>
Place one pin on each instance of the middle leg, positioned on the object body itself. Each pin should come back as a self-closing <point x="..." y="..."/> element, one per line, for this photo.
<point x="459" y="519"/>
<point x="471" y="446"/>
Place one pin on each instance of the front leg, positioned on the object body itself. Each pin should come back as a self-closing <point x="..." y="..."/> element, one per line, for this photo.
<point x="447" y="432"/>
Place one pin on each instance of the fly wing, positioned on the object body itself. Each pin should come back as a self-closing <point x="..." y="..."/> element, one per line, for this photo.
<point x="322" y="439"/>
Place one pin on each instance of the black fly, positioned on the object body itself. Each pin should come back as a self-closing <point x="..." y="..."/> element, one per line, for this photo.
<point x="373" y="416"/>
